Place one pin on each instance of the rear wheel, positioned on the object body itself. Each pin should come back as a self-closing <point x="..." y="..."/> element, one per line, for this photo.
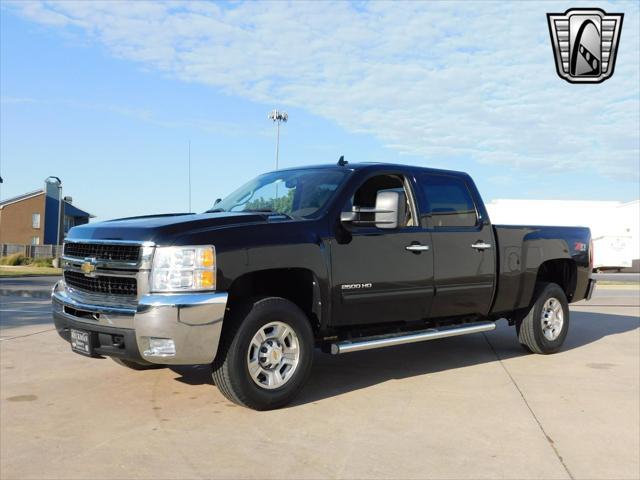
<point x="545" y="327"/>
<point x="265" y="356"/>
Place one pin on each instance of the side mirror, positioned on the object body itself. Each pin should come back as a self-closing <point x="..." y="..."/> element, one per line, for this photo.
<point x="390" y="209"/>
<point x="218" y="200"/>
<point x="388" y="213"/>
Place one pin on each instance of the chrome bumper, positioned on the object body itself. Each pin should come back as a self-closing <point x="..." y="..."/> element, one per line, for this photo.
<point x="192" y="320"/>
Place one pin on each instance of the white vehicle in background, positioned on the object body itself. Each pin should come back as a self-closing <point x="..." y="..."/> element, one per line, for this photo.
<point x="613" y="252"/>
<point x="615" y="226"/>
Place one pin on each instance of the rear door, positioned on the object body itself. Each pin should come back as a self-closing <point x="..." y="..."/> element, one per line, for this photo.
<point x="463" y="246"/>
<point x="375" y="277"/>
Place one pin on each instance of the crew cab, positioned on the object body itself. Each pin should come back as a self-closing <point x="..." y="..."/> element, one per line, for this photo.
<point x="339" y="258"/>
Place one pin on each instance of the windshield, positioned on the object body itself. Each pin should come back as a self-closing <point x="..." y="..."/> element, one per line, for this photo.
<point x="297" y="193"/>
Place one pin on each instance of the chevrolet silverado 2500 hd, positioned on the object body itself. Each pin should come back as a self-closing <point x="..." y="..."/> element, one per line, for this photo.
<point x="341" y="257"/>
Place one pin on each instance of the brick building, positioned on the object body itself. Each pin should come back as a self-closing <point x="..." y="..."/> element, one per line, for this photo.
<point x="32" y="218"/>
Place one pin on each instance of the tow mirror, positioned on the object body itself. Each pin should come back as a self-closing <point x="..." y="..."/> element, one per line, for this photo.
<point x="388" y="213"/>
<point x="390" y="209"/>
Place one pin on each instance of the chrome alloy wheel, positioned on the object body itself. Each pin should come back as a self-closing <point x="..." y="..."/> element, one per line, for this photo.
<point x="273" y="355"/>
<point x="552" y="319"/>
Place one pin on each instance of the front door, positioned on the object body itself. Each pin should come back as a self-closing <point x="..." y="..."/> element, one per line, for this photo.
<point x="380" y="274"/>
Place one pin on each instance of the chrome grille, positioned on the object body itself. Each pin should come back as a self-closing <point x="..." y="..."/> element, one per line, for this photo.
<point x="109" y="285"/>
<point x="104" y="272"/>
<point x="101" y="251"/>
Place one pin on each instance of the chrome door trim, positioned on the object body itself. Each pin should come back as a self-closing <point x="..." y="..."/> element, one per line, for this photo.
<point x="417" y="248"/>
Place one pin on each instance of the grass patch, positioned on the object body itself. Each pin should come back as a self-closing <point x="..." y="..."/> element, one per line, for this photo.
<point x="22" y="270"/>
<point x="41" y="262"/>
<point x="13" y="259"/>
<point x="19" y="259"/>
<point x="617" y="286"/>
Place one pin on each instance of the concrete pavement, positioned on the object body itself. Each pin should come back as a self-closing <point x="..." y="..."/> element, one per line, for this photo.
<point x="466" y="407"/>
<point x="618" y="277"/>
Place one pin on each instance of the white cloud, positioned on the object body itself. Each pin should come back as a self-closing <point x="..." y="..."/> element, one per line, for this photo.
<point x="143" y="115"/>
<point x="16" y="100"/>
<point x="438" y="80"/>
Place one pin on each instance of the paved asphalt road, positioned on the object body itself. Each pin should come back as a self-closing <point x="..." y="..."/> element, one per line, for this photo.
<point x="468" y="407"/>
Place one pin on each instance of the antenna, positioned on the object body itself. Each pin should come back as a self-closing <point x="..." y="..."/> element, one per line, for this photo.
<point x="189" y="176"/>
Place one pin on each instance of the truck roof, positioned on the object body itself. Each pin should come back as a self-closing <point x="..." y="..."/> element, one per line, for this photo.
<point x="376" y="166"/>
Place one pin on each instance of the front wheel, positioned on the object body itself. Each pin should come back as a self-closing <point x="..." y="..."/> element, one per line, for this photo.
<point x="545" y="327"/>
<point x="265" y="355"/>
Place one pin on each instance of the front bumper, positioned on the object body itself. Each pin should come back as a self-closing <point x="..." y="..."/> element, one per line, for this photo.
<point x="192" y="320"/>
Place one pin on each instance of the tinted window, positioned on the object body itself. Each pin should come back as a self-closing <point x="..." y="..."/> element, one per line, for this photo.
<point x="449" y="201"/>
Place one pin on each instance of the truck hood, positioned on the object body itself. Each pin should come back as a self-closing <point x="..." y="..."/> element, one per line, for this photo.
<point x="162" y="229"/>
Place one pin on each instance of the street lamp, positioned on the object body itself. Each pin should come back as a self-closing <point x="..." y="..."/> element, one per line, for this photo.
<point x="52" y="179"/>
<point x="278" y="117"/>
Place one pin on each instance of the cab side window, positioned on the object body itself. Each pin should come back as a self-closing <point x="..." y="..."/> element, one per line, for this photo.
<point x="365" y="196"/>
<point x="449" y="201"/>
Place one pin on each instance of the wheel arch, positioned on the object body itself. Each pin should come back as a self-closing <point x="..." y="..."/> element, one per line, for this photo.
<point x="298" y="285"/>
<point x="561" y="271"/>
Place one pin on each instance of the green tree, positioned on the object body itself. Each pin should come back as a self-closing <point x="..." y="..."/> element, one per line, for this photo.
<point x="282" y="204"/>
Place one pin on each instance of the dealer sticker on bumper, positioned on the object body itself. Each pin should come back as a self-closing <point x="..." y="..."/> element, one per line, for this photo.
<point x="80" y="342"/>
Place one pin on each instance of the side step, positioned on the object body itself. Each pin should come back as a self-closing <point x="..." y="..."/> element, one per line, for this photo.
<point x="380" y="341"/>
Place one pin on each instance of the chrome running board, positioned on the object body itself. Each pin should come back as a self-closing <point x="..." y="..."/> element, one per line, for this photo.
<point x="380" y="341"/>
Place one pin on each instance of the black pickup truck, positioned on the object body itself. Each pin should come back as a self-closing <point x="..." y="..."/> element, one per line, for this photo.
<point x="341" y="258"/>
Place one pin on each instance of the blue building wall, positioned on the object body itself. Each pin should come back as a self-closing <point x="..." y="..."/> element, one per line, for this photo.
<point x="51" y="205"/>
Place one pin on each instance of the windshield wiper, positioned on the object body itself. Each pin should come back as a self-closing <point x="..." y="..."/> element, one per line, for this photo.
<point x="268" y="210"/>
<point x="215" y="210"/>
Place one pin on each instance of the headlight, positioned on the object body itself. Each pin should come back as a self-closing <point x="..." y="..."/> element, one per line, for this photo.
<point x="179" y="269"/>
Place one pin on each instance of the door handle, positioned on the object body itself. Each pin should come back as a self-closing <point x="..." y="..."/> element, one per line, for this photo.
<point x="481" y="245"/>
<point x="416" y="247"/>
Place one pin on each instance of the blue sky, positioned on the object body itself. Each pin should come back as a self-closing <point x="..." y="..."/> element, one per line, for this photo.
<point x="108" y="95"/>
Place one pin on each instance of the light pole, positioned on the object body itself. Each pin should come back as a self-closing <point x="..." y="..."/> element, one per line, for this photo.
<point x="52" y="179"/>
<point x="278" y="117"/>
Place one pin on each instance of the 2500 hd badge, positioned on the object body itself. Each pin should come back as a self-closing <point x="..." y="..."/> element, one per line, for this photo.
<point x="356" y="286"/>
<point x="252" y="286"/>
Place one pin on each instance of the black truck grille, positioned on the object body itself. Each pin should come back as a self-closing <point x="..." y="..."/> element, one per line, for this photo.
<point x="126" y="253"/>
<point x="102" y="284"/>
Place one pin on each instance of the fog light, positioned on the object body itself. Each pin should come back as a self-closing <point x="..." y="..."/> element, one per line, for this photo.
<point x="161" y="347"/>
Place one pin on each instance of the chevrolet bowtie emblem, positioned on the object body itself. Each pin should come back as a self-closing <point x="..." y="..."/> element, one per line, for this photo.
<point x="88" y="267"/>
<point x="585" y="43"/>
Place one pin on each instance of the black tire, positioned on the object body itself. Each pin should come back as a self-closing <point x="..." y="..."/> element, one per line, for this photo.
<point x="530" y="328"/>
<point x="230" y="369"/>
<point x="135" y="365"/>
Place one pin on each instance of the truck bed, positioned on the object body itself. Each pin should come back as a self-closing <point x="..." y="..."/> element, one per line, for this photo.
<point x="524" y="249"/>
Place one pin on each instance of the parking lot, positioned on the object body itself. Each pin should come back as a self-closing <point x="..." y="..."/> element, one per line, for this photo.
<point x="475" y="406"/>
